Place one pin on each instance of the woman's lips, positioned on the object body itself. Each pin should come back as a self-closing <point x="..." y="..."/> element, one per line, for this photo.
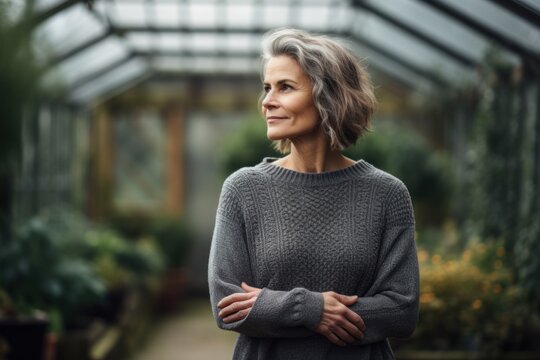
<point x="273" y="119"/>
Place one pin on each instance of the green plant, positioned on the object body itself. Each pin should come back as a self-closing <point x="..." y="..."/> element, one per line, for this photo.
<point x="505" y="165"/>
<point x="118" y="262"/>
<point x="174" y="238"/>
<point x="18" y="83"/>
<point x="248" y="147"/>
<point x="62" y="264"/>
<point x="472" y="302"/>
<point x="36" y="275"/>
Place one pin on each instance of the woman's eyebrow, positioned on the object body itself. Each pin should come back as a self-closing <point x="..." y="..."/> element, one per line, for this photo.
<point x="279" y="82"/>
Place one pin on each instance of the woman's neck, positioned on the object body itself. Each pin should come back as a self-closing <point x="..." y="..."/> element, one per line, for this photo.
<point x="313" y="157"/>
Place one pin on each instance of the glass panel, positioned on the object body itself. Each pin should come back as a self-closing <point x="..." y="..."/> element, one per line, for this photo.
<point x="275" y="15"/>
<point x="110" y="81"/>
<point x="168" y="13"/>
<point x="242" y="65"/>
<point x="392" y="68"/>
<point x="238" y="42"/>
<point x="141" y="41"/>
<point x="139" y="159"/>
<point x="41" y="5"/>
<point x="389" y="37"/>
<point x="204" y="42"/>
<point x="535" y="4"/>
<point x="434" y="24"/>
<point x="128" y="13"/>
<point x="69" y="28"/>
<point x="92" y="59"/>
<point x="169" y="63"/>
<point x="239" y="15"/>
<point x="171" y="42"/>
<point x="314" y="17"/>
<point x="207" y="64"/>
<point x="340" y="18"/>
<point x="196" y="42"/>
<point x="500" y="20"/>
<point x="201" y="15"/>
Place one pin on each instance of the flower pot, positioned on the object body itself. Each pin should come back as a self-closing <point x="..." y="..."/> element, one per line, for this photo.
<point x="24" y="337"/>
<point x="173" y="289"/>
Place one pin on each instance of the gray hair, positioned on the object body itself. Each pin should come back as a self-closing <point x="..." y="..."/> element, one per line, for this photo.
<point x="342" y="90"/>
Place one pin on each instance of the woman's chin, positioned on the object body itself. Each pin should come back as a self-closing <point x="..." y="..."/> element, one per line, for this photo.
<point x="271" y="135"/>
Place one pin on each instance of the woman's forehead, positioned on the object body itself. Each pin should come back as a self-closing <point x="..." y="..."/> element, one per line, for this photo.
<point x="283" y="67"/>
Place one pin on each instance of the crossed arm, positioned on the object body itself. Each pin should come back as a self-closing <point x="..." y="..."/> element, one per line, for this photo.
<point x="339" y="324"/>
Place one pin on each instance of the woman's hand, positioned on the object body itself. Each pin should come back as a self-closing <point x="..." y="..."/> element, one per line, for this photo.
<point x="237" y="306"/>
<point x="338" y="323"/>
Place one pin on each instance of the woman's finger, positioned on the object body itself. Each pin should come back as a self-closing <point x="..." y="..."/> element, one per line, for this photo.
<point x="346" y="300"/>
<point x="237" y="316"/>
<point x="236" y="307"/>
<point x="227" y="300"/>
<point x="356" y="320"/>
<point x="342" y="334"/>
<point x="334" y="339"/>
<point x="353" y="330"/>
<point x="248" y="288"/>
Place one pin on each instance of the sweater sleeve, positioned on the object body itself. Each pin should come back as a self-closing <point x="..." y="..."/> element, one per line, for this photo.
<point x="390" y="306"/>
<point x="275" y="313"/>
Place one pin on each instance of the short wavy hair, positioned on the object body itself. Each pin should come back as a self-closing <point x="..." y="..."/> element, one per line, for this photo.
<point x="342" y="89"/>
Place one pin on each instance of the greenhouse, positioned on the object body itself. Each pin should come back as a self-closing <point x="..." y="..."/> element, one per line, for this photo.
<point x="121" y="120"/>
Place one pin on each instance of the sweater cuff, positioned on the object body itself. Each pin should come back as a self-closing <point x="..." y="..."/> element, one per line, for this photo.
<point x="308" y="307"/>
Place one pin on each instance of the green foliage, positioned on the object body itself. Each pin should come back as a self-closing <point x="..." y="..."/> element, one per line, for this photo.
<point x="504" y="156"/>
<point x="471" y="302"/>
<point x="175" y="239"/>
<point x="59" y="262"/>
<point x="132" y="224"/>
<point x="36" y="274"/>
<point x="248" y="147"/>
<point x="119" y="262"/>
<point x="527" y="260"/>
<point x="173" y="236"/>
<point x="444" y="238"/>
<point x="18" y="82"/>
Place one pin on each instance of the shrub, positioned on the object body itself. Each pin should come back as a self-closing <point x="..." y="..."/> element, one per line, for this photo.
<point x="174" y="238"/>
<point x="248" y="147"/>
<point x="60" y="263"/>
<point x="471" y="302"/>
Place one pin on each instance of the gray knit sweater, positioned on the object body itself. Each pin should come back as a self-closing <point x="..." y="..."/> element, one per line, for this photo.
<point x="296" y="235"/>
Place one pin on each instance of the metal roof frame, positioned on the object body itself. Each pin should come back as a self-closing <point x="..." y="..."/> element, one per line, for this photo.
<point x="463" y="59"/>
<point x="469" y="21"/>
<point x="518" y="8"/>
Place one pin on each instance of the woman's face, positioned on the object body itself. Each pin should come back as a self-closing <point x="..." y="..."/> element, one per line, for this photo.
<point x="288" y="101"/>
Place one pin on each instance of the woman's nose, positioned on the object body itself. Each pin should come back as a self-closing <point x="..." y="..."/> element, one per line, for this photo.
<point x="269" y="101"/>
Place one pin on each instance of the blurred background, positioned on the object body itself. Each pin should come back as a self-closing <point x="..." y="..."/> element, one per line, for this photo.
<point x="120" y="119"/>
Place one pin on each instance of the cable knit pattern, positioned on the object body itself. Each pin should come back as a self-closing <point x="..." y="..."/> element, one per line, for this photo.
<point x="296" y="235"/>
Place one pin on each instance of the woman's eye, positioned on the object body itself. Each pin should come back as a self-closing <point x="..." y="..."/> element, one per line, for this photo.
<point x="286" y="87"/>
<point x="266" y="89"/>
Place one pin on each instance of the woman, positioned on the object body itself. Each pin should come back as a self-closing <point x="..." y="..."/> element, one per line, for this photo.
<point x="313" y="254"/>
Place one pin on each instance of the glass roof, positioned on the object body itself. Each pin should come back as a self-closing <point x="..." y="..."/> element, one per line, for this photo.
<point x="95" y="49"/>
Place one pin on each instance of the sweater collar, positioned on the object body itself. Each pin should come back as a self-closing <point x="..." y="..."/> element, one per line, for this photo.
<point x="278" y="172"/>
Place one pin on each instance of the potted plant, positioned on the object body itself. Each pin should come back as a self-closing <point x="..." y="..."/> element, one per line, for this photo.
<point x="37" y="278"/>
